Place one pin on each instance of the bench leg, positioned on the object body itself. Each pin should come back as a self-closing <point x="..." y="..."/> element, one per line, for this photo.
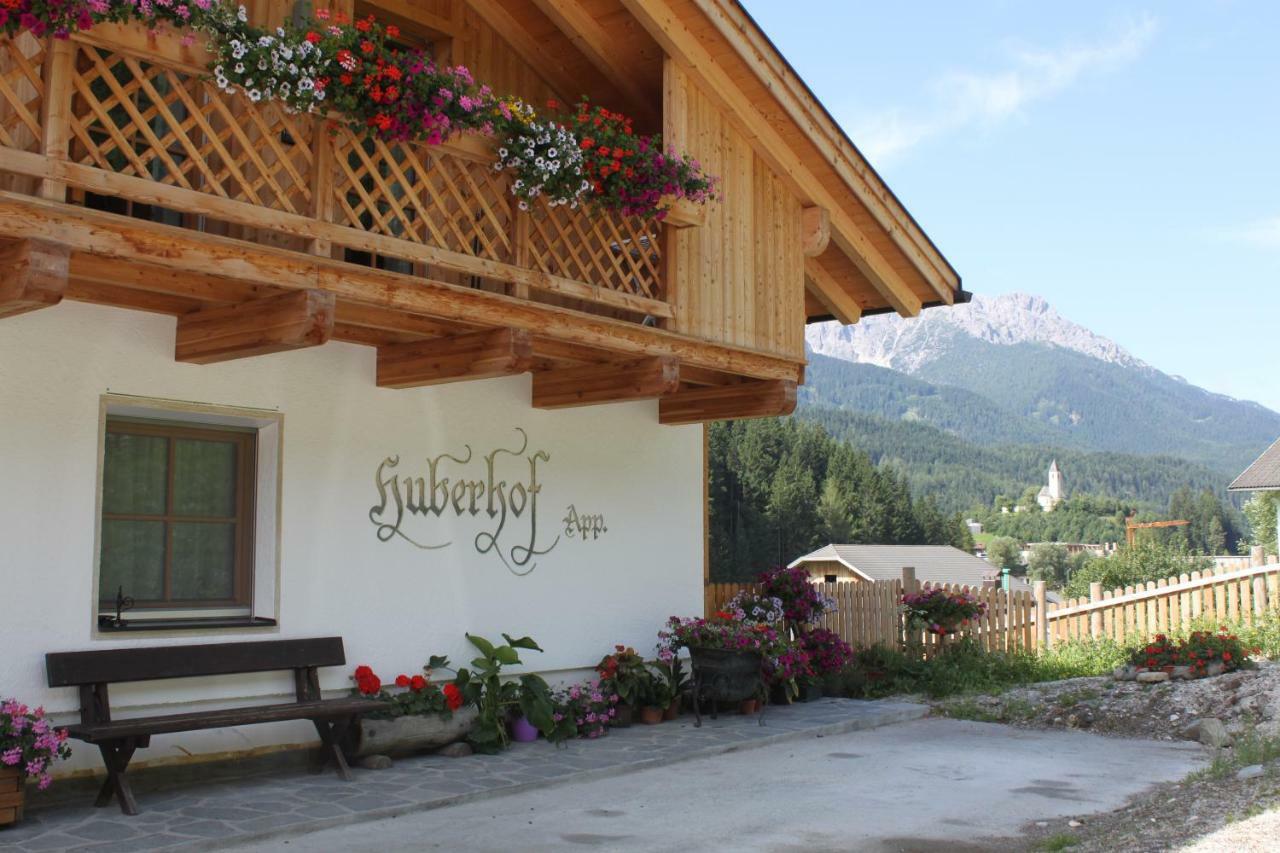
<point x="116" y="755"/>
<point x="331" y="746"/>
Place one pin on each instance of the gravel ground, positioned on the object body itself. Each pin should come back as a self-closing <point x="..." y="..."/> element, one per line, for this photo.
<point x="1244" y="700"/>
<point x="1210" y="812"/>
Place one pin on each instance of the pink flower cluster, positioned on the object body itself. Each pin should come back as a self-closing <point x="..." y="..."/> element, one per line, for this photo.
<point x="30" y="742"/>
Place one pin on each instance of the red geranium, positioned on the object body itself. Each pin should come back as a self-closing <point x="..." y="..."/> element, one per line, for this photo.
<point x="366" y="682"/>
<point x="417" y="683"/>
<point x="453" y="696"/>
<point x="402" y="681"/>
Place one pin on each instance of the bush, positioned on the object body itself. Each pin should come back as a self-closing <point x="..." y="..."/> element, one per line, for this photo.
<point x="1145" y="561"/>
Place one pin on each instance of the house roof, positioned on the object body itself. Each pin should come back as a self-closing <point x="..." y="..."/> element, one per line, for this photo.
<point x="1263" y="474"/>
<point x="933" y="563"/>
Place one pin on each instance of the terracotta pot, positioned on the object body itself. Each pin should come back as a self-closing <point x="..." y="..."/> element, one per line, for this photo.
<point x="12" y="796"/>
<point x="748" y="706"/>
<point x="622" y="719"/>
<point x="673" y="710"/>
<point x="650" y="715"/>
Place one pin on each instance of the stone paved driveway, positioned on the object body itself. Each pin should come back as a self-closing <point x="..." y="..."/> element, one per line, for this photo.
<point x="213" y="808"/>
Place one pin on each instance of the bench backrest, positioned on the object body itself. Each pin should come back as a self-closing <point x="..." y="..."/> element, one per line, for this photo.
<point x="148" y="663"/>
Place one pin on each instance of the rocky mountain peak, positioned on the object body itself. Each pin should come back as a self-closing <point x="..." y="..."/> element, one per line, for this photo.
<point x="908" y="343"/>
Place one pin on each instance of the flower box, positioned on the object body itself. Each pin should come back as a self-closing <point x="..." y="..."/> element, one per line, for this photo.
<point x="12" y="796"/>
<point x="683" y="213"/>
<point x="409" y="733"/>
<point x="726" y="675"/>
<point x="178" y="48"/>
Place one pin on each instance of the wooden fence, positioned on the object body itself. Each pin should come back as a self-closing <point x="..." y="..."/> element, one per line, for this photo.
<point x="1168" y="605"/>
<point x="870" y="613"/>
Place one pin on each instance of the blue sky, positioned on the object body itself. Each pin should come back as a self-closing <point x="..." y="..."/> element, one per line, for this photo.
<point x="1123" y="161"/>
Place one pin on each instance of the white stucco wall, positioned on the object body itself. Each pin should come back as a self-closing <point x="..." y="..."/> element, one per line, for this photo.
<point x="392" y="603"/>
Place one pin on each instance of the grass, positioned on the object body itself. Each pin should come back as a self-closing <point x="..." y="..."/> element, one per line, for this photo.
<point x="966" y="708"/>
<point x="965" y="668"/>
<point x="1248" y="749"/>
<point x="1053" y="843"/>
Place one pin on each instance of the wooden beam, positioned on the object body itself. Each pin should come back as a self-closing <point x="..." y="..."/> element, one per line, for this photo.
<point x="640" y="379"/>
<point x="33" y="274"/>
<point x="595" y="43"/>
<point x="259" y="327"/>
<point x="542" y="60"/>
<point x="815" y="230"/>
<point x="729" y="402"/>
<point x="114" y="236"/>
<point x="828" y="291"/>
<point x="459" y="358"/>
<point x="679" y="41"/>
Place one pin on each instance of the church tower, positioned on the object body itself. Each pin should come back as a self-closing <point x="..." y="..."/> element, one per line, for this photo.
<point x="1055" y="482"/>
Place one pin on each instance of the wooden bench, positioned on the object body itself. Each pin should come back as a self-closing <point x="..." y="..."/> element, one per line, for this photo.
<point x="92" y="672"/>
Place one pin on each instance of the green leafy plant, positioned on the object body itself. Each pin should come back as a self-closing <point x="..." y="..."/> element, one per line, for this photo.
<point x="497" y="698"/>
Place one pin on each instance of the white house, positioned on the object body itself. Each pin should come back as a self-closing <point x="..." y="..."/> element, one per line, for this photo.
<point x="326" y="384"/>
<point x="1262" y="476"/>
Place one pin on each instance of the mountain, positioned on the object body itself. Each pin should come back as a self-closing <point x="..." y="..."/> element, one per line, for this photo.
<point x="1010" y="370"/>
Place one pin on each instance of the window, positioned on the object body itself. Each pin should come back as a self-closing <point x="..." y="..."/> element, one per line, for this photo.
<point x="830" y="579"/>
<point x="177" y="516"/>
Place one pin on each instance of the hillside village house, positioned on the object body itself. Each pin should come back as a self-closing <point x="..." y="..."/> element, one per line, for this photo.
<point x="1262" y="476"/>
<point x="936" y="564"/>
<point x="263" y="375"/>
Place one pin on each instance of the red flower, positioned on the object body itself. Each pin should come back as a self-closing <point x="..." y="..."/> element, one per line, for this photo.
<point x="366" y="682"/>
<point x="1226" y="655"/>
<point x="452" y="696"/>
<point x="402" y="681"/>
<point x="417" y="683"/>
<point x="313" y="37"/>
<point x="393" y="31"/>
<point x="366" y="46"/>
<point x="364" y="24"/>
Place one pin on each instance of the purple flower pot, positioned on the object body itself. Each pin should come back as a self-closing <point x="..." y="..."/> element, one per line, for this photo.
<point x="523" y="731"/>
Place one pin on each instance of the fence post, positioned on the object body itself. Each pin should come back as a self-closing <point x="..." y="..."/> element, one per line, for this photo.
<point x="1042" y="615"/>
<point x="55" y="110"/>
<point x="1257" y="555"/>
<point x="1095" y="616"/>
<point x="909" y="586"/>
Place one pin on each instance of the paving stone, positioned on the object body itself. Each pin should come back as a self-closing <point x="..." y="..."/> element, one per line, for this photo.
<point x="187" y="813"/>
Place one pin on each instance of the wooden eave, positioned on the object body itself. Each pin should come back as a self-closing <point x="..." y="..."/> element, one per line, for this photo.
<point x="888" y="261"/>
<point x="124" y="262"/>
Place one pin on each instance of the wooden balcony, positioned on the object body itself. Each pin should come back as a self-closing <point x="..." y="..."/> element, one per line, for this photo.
<point x="122" y="161"/>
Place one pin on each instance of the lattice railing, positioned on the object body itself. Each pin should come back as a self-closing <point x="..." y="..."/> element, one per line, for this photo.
<point x="21" y="92"/>
<point x="142" y="119"/>
<point x="157" y="122"/>
<point x="422" y="194"/>
<point x="621" y="253"/>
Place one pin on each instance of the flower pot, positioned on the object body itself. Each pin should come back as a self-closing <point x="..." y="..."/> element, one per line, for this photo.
<point x="748" y="706"/>
<point x="621" y="719"/>
<point x="523" y="731"/>
<point x="673" y="710"/>
<point x="12" y="796"/>
<point x="650" y="715"/>
<point x="809" y="692"/>
<point x="724" y="675"/>
<point x="408" y="734"/>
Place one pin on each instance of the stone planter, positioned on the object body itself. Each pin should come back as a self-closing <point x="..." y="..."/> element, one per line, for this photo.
<point x="724" y="675"/>
<point x="12" y="796"/>
<point x="409" y="734"/>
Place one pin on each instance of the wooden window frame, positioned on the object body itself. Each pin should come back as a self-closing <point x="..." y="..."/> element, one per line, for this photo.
<point x="243" y="519"/>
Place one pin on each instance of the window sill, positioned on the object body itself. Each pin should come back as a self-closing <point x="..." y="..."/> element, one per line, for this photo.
<point x="106" y="624"/>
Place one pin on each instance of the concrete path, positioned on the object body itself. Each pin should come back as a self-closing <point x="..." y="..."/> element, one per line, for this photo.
<point x="926" y="785"/>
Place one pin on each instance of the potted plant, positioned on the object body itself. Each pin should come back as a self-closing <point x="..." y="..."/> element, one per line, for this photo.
<point x="656" y="697"/>
<point x="501" y="701"/>
<point x="727" y="654"/>
<point x="583" y="710"/>
<point x="670" y="668"/>
<point x="801" y="601"/>
<point x="940" y="612"/>
<point x="29" y="744"/>
<point x="420" y="715"/>
<point x="624" y="673"/>
<point x="828" y="654"/>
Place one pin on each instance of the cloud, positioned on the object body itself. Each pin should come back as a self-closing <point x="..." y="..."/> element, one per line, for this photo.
<point x="1262" y="234"/>
<point x="966" y="98"/>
